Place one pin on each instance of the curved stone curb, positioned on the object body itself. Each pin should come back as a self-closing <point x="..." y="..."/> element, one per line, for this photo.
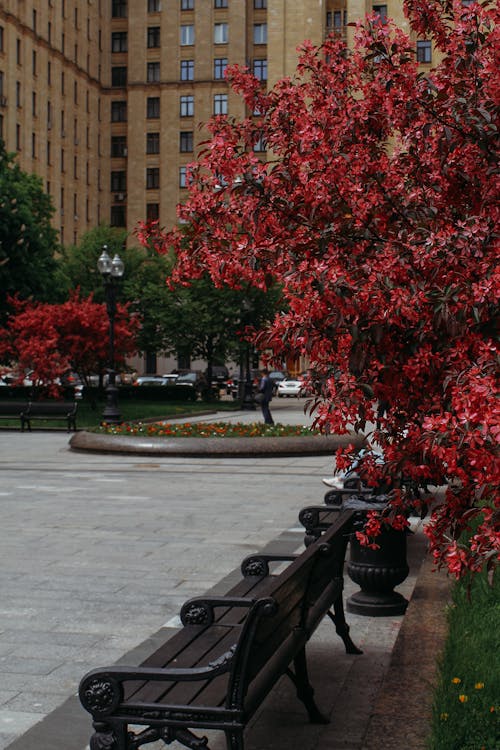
<point x="314" y="445"/>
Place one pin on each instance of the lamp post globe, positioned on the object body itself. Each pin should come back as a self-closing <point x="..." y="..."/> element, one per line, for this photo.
<point x="111" y="270"/>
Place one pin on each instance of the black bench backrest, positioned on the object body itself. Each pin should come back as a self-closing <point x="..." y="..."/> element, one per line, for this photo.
<point x="289" y="609"/>
<point x="12" y="408"/>
<point x="52" y="408"/>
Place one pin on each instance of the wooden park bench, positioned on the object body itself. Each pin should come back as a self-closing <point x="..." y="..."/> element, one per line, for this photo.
<point x="217" y="670"/>
<point x="50" y="410"/>
<point x="13" y="409"/>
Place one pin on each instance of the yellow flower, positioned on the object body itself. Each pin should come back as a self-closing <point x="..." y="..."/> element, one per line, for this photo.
<point x="456" y="680"/>
<point x="463" y="698"/>
<point x="444" y="717"/>
<point x="479" y="685"/>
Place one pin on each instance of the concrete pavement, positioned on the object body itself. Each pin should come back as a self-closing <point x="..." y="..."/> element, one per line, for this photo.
<point x="98" y="553"/>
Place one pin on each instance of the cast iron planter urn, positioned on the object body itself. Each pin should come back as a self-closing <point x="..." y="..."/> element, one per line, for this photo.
<point x="377" y="572"/>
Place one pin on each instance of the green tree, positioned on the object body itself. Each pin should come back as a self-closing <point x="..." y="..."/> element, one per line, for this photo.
<point x="77" y="266"/>
<point x="199" y="321"/>
<point x="27" y="239"/>
<point x="209" y="322"/>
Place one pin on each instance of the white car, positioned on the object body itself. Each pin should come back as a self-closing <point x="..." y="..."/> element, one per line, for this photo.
<point x="290" y="387"/>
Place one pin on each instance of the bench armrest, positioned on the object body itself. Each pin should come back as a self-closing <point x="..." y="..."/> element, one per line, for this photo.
<point x="101" y="690"/>
<point x="313" y="515"/>
<point x="258" y="565"/>
<point x="201" y="609"/>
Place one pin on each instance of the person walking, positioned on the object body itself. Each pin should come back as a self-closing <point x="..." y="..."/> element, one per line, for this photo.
<point x="266" y="391"/>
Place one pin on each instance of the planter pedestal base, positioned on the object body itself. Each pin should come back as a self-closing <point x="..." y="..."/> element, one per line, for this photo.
<point x="371" y="605"/>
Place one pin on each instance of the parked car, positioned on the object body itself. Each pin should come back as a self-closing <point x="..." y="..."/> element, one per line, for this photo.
<point x="277" y="376"/>
<point x="194" y="380"/>
<point x="220" y="376"/>
<point x="152" y="380"/>
<point x="289" y="387"/>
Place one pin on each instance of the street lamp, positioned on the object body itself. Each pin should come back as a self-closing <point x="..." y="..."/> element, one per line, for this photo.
<point x="111" y="271"/>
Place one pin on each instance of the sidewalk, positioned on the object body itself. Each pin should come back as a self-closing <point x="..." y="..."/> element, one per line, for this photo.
<point x="80" y="535"/>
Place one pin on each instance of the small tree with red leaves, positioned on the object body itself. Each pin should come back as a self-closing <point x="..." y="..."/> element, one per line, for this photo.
<point x="376" y="210"/>
<point x="52" y="339"/>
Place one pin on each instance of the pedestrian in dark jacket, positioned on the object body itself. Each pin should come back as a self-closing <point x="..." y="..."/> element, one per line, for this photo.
<point x="266" y="389"/>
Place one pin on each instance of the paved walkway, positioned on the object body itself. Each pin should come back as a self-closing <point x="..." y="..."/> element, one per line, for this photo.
<point x="98" y="553"/>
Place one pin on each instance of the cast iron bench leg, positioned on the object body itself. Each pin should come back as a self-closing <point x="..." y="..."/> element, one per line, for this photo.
<point x="305" y="691"/>
<point x="108" y="737"/>
<point x="341" y="626"/>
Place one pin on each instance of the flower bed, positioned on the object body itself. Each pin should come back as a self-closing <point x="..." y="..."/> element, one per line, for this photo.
<point x="206" y="429"/>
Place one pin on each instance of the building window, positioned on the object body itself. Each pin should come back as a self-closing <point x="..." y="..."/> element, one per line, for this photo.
<point x="117" y="217"/>
<point x="18" y="94"/>
<point x="260" y="69"/>
<point x="18" y="137"/>
<point x="220" y="65"/>
<point x="152" y="211"/>
<point x="187" y="70"/>
<point x="118" y="182"/>
<point x="186" y="141"/>
<point x="182" y="177"/>
<point x="260" y="33"/>
<point x="34" y="62"/>
<point x="18" y="51"/>
<point x="118" y="111"/>
<point x="33" y="103"/>
<point x="118" y="146"/>
<point x="154" y="6"/>
<point x="152" y="178"/>
<point x="153" y="39"/>
<point x="119" y="8"/>
<point x="1" y="39"/>
<point x="220" y="33"/>
<point x="153" y="72"/>
<point x="381" y="11"/>
<point x="260" y="4"/>
<point x="220" y="104"/>
<point x="33" y="145"/>
<point x="119" y="76"/>
<point x="187" y="34"/>
<point x="424" y="51"/>
<point x="260" y="145"/>
<point x="187" y="106"/>
<point x="220" y="3"/>
<point x="153" y="107"/>
<point x="152" y="143"/>
<point x="119" y="41"/>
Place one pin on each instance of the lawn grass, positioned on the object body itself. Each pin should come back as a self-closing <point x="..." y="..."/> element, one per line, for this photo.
<point x="90" y="414"/>
<point x="466" y="714"/>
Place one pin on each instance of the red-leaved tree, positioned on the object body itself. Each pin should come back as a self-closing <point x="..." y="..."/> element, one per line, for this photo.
<point x="376" y="210"/>
<point x="52" y="339"/>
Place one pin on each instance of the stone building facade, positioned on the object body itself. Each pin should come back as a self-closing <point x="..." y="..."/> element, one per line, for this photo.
<point x="103" y="98"/>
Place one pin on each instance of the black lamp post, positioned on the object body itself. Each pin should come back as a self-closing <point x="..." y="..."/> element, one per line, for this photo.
<point x="246" y="392"/>
<point x="111" y="271"/>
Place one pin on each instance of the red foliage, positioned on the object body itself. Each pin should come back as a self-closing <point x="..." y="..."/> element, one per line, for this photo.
<point x="52" y="339"/>
<point x="376" y="211"/>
